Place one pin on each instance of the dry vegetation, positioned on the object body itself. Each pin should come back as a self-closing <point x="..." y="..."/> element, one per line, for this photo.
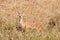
<point x="10" y="32"/>
<point x="29" y="19"/>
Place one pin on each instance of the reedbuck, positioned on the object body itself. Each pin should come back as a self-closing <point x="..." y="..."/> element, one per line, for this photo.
<point x="30" y="23"/>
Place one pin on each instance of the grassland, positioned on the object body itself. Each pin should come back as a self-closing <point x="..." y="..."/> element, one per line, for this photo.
<point x="45" y="11"/>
